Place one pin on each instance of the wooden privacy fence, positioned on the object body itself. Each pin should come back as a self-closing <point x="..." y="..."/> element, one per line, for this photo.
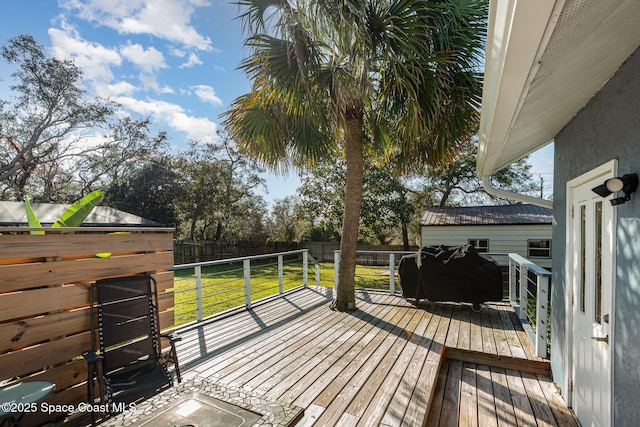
<point x="189" y="251"/>
<point x="324" y="251"/>
<point x="44" y="299"/>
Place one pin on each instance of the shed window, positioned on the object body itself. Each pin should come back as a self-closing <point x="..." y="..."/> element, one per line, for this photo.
<point x="481" y="245"/>
<point x="539" y="249"/>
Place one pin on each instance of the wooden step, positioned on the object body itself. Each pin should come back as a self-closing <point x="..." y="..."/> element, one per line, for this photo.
<point x="537" y="367"/>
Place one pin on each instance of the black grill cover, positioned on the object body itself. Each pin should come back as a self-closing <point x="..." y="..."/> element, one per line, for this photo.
<point x="410" y="277"/>
<point x="450" y="273"/>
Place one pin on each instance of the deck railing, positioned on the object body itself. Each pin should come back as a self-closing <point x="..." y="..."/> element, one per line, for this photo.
<point x="213" y="288"/>
<point x="529" y="293"/>
<point x="528" y="287"/>
<point x="374" y="269"/>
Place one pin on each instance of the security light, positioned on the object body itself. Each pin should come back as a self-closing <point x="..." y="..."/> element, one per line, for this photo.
<point x="628" y="184"/>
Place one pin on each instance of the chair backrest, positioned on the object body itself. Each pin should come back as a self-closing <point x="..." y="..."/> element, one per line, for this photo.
<point x="127" y="316"/>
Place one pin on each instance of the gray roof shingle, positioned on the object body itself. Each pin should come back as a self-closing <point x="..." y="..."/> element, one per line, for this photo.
<point x="487" y="215"/>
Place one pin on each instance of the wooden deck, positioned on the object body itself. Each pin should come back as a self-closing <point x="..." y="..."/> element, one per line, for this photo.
<point x="388" y="363"/>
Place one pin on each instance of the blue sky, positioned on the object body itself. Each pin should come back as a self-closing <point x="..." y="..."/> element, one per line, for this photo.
<point x="174" y="61"/>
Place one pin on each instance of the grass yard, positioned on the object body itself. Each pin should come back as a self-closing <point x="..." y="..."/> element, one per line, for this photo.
<point x="223" y="285"/>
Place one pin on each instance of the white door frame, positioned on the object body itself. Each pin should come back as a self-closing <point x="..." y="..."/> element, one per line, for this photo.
<point x="603" y="172"/>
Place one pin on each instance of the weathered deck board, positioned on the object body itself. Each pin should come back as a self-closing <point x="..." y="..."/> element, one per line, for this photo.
<point x="472" y="395"/>
<point x="317" y="372"/>
<point x="414" y="392"/>
<point x="228" y="333"/>
<point x="504" y="407"/>
<point x="380" y="365"/>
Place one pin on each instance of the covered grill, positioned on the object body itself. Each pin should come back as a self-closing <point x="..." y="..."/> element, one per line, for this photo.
<point x="450" y="273"/>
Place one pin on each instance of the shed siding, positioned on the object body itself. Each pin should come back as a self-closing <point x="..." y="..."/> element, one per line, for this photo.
<point x="502" y="238"/>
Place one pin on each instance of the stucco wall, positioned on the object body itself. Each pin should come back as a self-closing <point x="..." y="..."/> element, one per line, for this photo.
<point x="607" y="127"/>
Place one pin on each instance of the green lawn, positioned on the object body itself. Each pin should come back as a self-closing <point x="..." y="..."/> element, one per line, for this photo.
<point x="223" y="285"/>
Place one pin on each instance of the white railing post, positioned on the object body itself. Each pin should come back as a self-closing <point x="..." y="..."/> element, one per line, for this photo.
<point x="305" y="269"/>
<point x="392" y="273"/>
<point x="542" y="311"/>
<point x="336" y="268"/>
<point x="247" y="283"/>
<point x="280" y="274"/>
<point x="317" y="274"/>
<point x="198" y="273"/>
<point x="524" y="291"/>
<point x="512" y="281"/>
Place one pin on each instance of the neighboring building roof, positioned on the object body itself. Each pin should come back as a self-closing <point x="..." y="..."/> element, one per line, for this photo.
<point x="545" y="60"/>
<point x="487" y="215"/>
<point x="14" y="214"/>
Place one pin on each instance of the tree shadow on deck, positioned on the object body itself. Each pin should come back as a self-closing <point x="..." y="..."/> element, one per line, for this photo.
<point x="398" y="327"/>
<point x="209" y="331"/>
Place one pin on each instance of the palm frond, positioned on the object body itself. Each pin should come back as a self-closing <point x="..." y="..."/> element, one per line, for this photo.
<point x="411" y="66"/>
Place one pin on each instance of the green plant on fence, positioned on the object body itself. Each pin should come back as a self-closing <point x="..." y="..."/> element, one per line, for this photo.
<point x="73" y="216"/>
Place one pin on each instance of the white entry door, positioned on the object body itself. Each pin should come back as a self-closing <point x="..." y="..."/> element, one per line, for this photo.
<point x="591" y="260"/>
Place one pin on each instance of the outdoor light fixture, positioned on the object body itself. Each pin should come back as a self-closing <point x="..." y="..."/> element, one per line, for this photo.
<point x="627" y="184"/>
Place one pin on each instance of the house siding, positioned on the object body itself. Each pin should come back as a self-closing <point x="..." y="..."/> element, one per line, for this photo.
<point x="607" y="128"/>
<point x="502" y="238"/>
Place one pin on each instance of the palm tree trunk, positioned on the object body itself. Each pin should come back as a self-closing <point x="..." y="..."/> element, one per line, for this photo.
<point x="345" y="293"/>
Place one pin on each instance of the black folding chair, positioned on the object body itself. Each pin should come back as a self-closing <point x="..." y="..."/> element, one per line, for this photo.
<point x="126" y="356"/>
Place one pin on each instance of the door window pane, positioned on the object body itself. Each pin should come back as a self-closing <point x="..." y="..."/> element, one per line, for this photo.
<point x="598" y="287"/>
<point x="583" y="255"/>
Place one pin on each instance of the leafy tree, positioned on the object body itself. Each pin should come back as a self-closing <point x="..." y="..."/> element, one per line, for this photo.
<point x="248" y="221"/>
<point x="217" y="182"/>
<point x="336" y="79"/>
<point x="128" y="145"/>
<point x="286" y="222"/>
<point x="456" y="183"/>
<point x="322" y="199"/>
<point x="50" y="133"/>
<point x="386" y="203"/>
<point x="149" y="191"/>
<point x="49" y="109"/>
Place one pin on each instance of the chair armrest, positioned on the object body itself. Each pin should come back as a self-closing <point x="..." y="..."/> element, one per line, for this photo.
<point x="171" y="336"/>
<point x="91" y="357"/>
<point x="172" y="356"/>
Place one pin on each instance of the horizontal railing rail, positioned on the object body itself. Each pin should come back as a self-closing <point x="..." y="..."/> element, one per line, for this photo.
<point x="211" y="289"/>
<point x="377" y="269"/>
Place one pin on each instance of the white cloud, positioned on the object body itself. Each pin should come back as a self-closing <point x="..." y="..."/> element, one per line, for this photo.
<point x="196" y="128"/>
<point x="93" y="59"/>
<point x="116" y="89"/>
<point x="97" y="62"/>
<point x="193" y="60"/>
<point x="166" y="90"/>
<point x="207" y="94"/>
<point x="176" y="52"/>
<point x="167" y="19"/>
<point x="148" y="60"/>
<point x="150" y="83"/>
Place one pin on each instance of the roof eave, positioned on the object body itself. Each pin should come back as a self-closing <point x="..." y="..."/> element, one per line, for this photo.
<point x="517" y="35"/>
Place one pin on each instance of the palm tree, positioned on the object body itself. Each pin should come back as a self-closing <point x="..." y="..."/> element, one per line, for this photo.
<point x="340" y="78"/>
